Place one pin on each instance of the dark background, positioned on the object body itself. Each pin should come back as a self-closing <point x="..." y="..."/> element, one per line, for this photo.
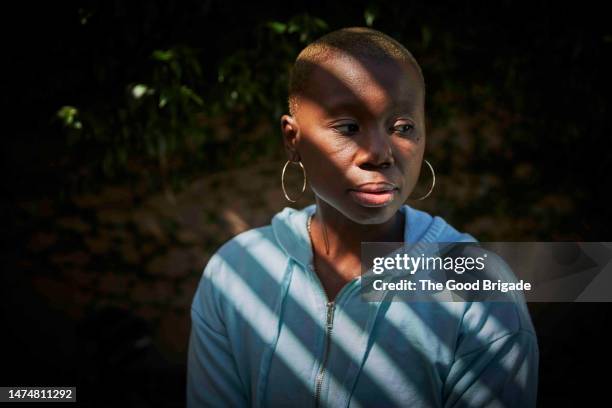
<point x="139" y="136"/>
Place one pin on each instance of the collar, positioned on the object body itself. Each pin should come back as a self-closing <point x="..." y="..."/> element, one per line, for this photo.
<point x="291" y="233"/>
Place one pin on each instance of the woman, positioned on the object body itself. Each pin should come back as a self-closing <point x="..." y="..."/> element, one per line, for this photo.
<point x="278" y="319"/>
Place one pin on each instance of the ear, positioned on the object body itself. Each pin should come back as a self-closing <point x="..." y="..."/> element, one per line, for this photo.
<point x="291" y="137"/>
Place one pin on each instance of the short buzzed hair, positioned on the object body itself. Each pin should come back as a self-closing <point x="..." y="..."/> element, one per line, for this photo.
<point x="356" y="41"/>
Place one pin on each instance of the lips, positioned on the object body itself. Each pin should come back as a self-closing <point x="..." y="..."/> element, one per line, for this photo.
<point x="374" y="194"/>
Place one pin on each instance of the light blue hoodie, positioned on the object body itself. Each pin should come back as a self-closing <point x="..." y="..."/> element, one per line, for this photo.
<point x="264" y="335"/>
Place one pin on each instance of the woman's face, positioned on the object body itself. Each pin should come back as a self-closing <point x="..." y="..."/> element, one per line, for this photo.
<point x="359" y="131"/>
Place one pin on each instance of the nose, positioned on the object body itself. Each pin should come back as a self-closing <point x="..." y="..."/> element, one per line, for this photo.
<point x="375" y="151"/>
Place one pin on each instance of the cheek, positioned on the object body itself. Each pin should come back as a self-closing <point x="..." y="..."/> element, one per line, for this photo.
<point x="409" y="152"/>
<point x="327" y="158"/>
<point x="409" y="164"/>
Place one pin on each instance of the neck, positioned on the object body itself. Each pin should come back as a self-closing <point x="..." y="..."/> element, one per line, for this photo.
<point x="345" y="236"/>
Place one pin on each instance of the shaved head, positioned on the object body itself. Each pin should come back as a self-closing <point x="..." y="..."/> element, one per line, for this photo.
<point x="356" y="42"/>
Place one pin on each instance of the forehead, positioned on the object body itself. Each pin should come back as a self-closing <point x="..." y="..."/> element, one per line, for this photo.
<point x="343" y="82"/>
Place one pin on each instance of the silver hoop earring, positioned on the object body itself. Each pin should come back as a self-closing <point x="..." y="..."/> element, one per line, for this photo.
<point x="433" y="183"/>
<point x="283" y="181"/>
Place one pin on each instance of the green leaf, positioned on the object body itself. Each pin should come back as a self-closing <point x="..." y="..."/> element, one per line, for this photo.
<point x="163" y="55"/>
<point x="369" y="17"/>
<point x="321" y="24"/>
<point x="188" y="92"/>
<point x="139" y="90"/>
<point x="277" y="27"/>
<point x="69" y="117"/>
<point x="163" y="100"/>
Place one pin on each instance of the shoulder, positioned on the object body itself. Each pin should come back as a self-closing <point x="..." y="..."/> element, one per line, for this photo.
<point x="249" y="252"/>
<point x="495" y="314"/>
<point x="485" y="322"/>
<point x="248" y="266"/>
<point x="247" y="241"/>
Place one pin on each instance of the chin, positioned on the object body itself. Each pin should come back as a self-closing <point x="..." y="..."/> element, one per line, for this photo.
<point x="373" y="215"/>
<point x="362" y="213"/>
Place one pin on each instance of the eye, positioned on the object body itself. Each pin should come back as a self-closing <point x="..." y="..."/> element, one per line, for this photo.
<point x="405" y="128"/>
<point x="347" y="128"/>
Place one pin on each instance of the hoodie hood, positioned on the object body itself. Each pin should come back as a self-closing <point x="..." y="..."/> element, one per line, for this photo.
<point x="290" y="230"/>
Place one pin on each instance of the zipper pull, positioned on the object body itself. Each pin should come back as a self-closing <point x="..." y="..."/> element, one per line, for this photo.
<point x="330" y="314"/>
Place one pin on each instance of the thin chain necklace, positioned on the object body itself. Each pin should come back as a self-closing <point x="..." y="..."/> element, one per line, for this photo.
<point x="324" y="234"/>
<point x="311" y="240"/>
<point x="308" y="225"/>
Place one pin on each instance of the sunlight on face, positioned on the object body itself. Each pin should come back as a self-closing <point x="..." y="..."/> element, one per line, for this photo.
<point x="362" y="121"/>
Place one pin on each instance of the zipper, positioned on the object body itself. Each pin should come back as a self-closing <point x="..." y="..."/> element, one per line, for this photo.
<point x="328" y="332"/>
<point x="329" y="326"/>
